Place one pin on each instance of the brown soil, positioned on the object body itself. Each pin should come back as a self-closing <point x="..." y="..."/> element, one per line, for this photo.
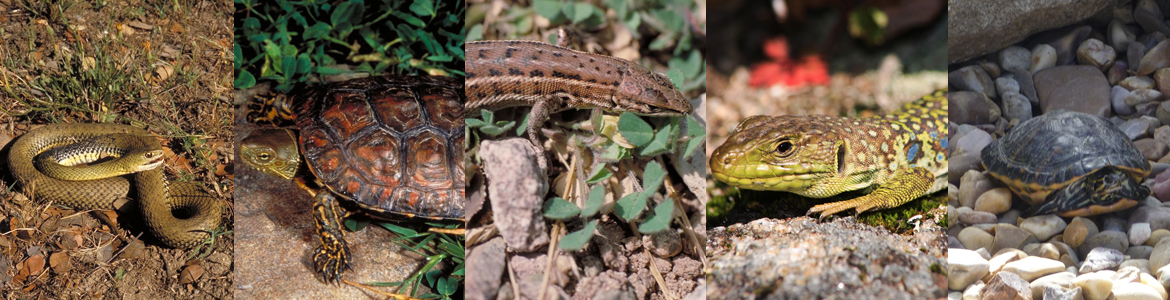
<point x="162" y="65"/>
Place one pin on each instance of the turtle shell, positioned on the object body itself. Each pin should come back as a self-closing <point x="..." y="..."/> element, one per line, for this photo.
<point x="1049" y="152"/>
<point x="391" y="144"/>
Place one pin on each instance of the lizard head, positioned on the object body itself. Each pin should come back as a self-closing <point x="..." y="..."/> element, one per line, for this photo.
<point x="652" y="94"/>
<point x="788" y="153"/>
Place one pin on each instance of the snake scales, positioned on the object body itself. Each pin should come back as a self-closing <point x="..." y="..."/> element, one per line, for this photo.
<point x="178" y="214"/>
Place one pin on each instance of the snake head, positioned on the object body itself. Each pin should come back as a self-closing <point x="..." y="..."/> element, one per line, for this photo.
<point x="144" y="160"/>
<point x="272" y="151"/>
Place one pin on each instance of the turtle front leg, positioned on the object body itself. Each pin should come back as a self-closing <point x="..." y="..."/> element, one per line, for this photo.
<point x="908" y="185"/>
<point x="333" y="256"/>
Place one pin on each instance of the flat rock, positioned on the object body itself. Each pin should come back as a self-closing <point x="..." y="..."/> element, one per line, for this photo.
<point x="1044" y="226"/>
<point x="975" y="28"/>
<point x="1033" y="267"/>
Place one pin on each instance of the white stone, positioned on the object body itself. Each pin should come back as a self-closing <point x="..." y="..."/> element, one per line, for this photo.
<point x="1044" y="226"/>
<point x="964" y="267"/>
<point x="1033" y="267"/>
<point x="1095" y="286"/>
<point x="1135" y="291"/>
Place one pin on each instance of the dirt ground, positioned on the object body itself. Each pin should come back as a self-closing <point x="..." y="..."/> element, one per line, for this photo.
<point x="161" y="65"/>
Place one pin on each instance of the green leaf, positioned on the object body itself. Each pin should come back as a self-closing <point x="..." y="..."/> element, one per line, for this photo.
<point x="245" y="80"/>
<point x="693" y="65"/>
<point x="696" y="136"/>
<point x="549" y="9"/>
<point x="473" y="122"/>
<point x="676" y="77"/>
<point x="661" y="142"/>
<point x="423" y="8"/>
<point x="630" y="206"/>
<point x="356" y="225"/>
<point x="615" y="152"/>
<point x="317" y="31"/>
<point x="663" y="214"/>
<point x="634" y="129"/>
<point x="652" y="177"/>
<point x="581" y="11"/>
<point x="560" y="209"/>
<point x="600" y="172"/>
<point x="596" y="199"/>
<point x="578" y="239"/>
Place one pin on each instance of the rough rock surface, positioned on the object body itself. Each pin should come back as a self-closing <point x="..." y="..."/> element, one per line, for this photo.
<point x="800" y="258"/>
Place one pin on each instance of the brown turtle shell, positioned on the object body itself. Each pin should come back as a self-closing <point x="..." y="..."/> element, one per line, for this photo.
<point x="391" y="144"/>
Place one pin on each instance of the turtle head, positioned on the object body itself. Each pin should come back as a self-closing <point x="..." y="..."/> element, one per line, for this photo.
<point x="272" y="151"/>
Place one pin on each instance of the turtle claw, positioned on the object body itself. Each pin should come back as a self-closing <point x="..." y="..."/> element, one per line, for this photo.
<point x="331" y="260"/>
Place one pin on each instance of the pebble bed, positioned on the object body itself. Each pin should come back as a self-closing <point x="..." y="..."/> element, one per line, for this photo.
<point x="1118" y="69"/>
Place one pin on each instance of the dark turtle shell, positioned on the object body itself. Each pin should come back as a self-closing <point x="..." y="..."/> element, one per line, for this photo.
<point x="392" y="144"/>
<point x="1052" y="151"/>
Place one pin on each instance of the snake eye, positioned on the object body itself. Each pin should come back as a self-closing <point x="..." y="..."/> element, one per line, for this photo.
<point x="784" y="148"/>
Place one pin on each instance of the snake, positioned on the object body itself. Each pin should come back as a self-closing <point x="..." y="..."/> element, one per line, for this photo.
<point x="179" y="214"/>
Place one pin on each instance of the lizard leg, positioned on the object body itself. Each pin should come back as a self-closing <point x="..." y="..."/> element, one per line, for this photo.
<point x="538" y="115"/>
<point x="906" y="186"/>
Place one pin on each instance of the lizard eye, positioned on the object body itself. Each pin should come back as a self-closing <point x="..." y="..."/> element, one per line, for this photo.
<point x="784" y="148"/>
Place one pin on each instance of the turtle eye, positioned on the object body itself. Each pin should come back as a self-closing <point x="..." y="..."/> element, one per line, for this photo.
<point x="264" y="156"/>
<point x="784" y="148"/>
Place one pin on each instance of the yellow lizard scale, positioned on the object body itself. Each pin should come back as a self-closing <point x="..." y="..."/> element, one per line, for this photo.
<point x="900" y="156"/>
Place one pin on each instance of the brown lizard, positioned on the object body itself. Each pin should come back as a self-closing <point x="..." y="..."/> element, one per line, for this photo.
<point x="552" y="79"/>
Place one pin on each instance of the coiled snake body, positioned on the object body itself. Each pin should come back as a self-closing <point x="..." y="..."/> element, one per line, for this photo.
<point x="159" y="199"/>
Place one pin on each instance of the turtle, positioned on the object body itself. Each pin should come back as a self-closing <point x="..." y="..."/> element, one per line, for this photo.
<point x="390" y="145"/>
<point x="1069" y="164"/>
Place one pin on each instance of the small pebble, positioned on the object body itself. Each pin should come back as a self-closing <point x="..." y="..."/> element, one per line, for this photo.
<point x="997" y="200"/>
<point x="1139" y="233"/>
<point x="1101" y="258"/>
<point x="1043" y="57"/>
<point x="1044" y="227"/>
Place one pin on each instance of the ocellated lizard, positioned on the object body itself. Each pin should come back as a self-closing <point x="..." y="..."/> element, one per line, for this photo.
<point x="899" y="157"/>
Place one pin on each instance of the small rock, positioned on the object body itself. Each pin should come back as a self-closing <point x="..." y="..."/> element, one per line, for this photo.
<point x="1134" y="83"/>
<point x="1044" y="226"/>
<point x="1147" y="14"/>
<point x="1094" y="286"/>
<point x="973" y="78"/>
<point x="1078" y="230"/>
<point x="974" y="183"/>
<point x="972" y="217"/>
<point x="1008" y="236"/>
<point x="1117" y="72"/>
<point x="1043" y="57"/>
<point x="1162" y="80"/>
<point x="1139" y="233"/>
<point x="1006" y="285"/>
<point x="1119" y="36"/>
<point x="1140" y="96"/>
<point x="1007" y="84"/>
<point x="1151" y="149"/>
<point x="1062" y="280"/>
<point x="1157" y="236"/>
<point x="1016" y="58"/>
<point x="975" y="238"/>
<point x="1160" y="257"/>
<point x="997" y="200"/>
<point x="1158" y="217"/>
<point x="1117" y="96"/>
<point x="1095" y="53"/>
<point x="1157" y="58"/>
<point x="964" y="267"/>
<point x="1140" y="252"/>
<point x="967" y="107"/>
<point x="996" y="264"/>
<point x="1102" y="259"/>
<point x="1163" y="112"/>
<point x="1140" y="264"/>
<point x="1115" y="240"/>
<point x="1032" y="267"/>
<point x="1016" y="107"/>
<point x="1135" y="291"/>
